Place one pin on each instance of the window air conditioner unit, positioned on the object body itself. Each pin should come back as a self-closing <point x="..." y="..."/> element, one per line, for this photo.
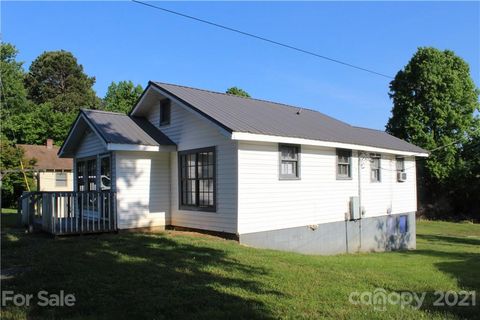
<point x="354" y="208"/>
<point x="401" y="176"/>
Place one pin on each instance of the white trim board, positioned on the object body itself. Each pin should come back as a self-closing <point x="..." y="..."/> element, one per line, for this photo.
<point x="138" y="147"/>
<point x="278" y="139"/>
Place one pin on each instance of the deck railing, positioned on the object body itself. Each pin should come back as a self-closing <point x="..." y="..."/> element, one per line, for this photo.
<point x="62" y="213"/>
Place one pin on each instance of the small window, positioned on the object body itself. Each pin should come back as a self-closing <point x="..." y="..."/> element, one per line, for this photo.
<point x="344" y="164"/>
<point x="289" y="162"/>
<point x="375" y="159"/>
<point x="60" y="179"/>
<point x="197" y="179"/>
<point x="164" y="112"/>
<point x="400" y="164"/>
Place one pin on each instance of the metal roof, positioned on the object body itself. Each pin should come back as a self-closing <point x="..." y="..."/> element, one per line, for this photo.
<point x="239" y="114"/>
<point x="122" y="129"/>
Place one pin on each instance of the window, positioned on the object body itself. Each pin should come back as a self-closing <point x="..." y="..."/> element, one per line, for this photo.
<point x="164" y="112"/>
<point x="375" y="171"/>
<point x="60" y="179"/>
<point x="105" y="173"/>
<point x="400" y="164"/>
<point x="289" y="162"/>
<point x="81" y="176"/>
<point x="344" y="164"/>
<point x="197" y="179"/>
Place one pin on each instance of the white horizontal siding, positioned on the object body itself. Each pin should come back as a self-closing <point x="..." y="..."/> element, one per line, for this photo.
<point x="267" y="203"/>
<point x="90" y="145"/>
<point x="143" y="188"/>
<point x="388" y="195"/>
<point x="191" y="131"/>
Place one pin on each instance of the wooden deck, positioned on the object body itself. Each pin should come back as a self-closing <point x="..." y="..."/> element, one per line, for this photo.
<point x="67" y="213"/>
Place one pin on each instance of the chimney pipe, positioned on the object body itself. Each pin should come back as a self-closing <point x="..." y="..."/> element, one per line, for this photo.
<point x="49" y="143"/>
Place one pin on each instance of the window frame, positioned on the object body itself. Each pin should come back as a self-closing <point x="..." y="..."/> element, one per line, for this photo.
<point x="337" y="156"/>
<point x="164" y="106"/>
<point x="397" y="160"/>
<point x="376" y="156"/>
<point x="57" y="173"/>
<point x="197" y="207"/>
<point x="298" y="150"/>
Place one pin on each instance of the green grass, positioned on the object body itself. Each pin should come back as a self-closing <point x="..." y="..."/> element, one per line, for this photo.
<point x="9" y="218"/>
<point x="183" y="276"/>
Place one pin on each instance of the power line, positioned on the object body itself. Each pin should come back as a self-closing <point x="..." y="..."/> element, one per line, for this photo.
<point x="251" y="35"/>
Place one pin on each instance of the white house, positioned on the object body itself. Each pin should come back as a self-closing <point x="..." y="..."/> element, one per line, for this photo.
<point x="268" y="174"/>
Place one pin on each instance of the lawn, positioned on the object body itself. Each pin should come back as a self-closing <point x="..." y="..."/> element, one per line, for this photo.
<point x="186" y="275"/>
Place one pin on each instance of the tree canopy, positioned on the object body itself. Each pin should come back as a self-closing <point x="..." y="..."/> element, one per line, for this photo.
<point x="56" y="77"/>
<point x="122" y="96"/>
<point x="237" y="92"/>
<point x="434" y="103"/>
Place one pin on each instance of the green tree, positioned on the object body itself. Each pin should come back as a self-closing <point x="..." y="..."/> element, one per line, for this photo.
<point x="237" y="92"/>
<point x="13" y="93"/>
<point x="121" y="96"/>
<point x="56" y="77"/>
<point x="13" y="182"/>
<point x="434" y="103"/>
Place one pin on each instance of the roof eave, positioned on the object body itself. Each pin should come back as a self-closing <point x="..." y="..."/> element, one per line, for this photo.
<point x="246" y="136"/>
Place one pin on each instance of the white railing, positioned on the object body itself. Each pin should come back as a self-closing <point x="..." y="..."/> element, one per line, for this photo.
<point x="69" y="212"/>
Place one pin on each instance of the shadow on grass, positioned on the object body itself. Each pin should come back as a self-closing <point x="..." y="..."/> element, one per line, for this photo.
<point x="463" y="266"/>
<point x="138" y="276"/>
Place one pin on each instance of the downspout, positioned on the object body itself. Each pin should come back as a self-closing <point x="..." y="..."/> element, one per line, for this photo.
<point x="359" y="154"/>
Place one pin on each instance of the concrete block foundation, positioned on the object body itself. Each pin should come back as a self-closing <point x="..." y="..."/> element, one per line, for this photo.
<point x="383" y="233"/>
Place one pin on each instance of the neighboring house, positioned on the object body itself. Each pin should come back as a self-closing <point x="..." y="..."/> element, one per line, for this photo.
<point x="271" y="175"/>
<point x="52" y="172"/>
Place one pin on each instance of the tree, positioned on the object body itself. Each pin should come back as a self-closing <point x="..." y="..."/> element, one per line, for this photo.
<point x="122" y="96"/>
<point x="434" y="101"/>
<point x="13" y="93"/>
<point x="237" y="92"/>
<point x="56" y="77"/>
<point x="13" y="183"/>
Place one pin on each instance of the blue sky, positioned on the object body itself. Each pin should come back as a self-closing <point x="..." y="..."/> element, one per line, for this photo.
<point x="125" y="41"/>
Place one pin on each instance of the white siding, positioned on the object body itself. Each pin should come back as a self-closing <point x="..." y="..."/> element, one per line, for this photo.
<point x="48" y="182"/>
<point x="267" y="203"/>
<point x="90" y="145"/>
<point x="143" y="188"/>
<point x="191" y="131"/>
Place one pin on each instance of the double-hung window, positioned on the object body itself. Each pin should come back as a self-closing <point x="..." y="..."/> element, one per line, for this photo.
<point x="344" y="164"/>
<point x="400" y="164"/>
<point x="375" y="170"/>
<point x="289" y="161"/>
<point x="197" y="179"/>
<point x="60" y="179"/>
<point x="165" y="112"/>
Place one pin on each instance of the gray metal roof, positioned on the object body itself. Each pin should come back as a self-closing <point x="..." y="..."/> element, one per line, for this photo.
<point x="120" y="128"/>
<point x="264" y="117"/>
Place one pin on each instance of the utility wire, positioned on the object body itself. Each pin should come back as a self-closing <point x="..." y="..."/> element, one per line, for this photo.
<point x="251" y="35"/>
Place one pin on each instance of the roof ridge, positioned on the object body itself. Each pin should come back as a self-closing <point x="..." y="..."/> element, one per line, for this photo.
<point x="372" y="129"/>
<point x="250" y="98"/>
<point x="104" y="111"/>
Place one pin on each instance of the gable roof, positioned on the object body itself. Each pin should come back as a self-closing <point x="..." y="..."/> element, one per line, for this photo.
<point x="117" y="131"/>
<point x="46" y="158"/>
<point x="119" y="128"/>
<point x="248" y="115"/>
